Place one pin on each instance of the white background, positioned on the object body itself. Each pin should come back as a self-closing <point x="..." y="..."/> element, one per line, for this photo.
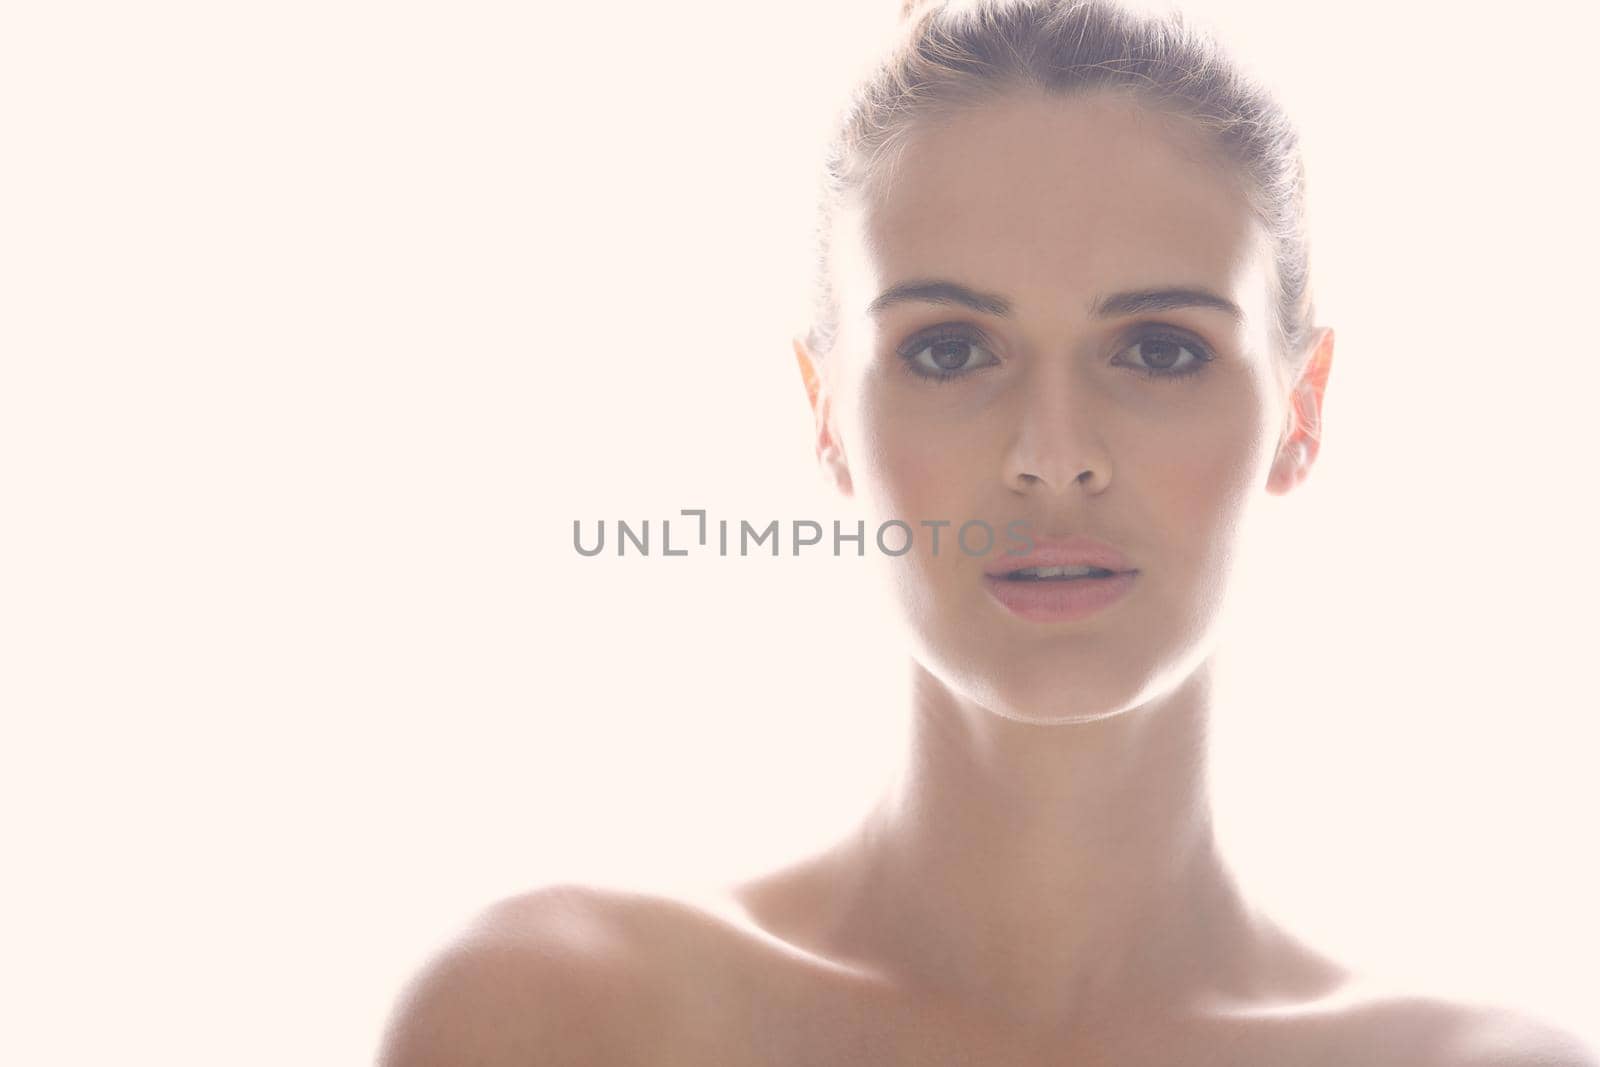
<point x="322" y="322"/>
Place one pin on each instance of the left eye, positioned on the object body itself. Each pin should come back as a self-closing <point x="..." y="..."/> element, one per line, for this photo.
<point x="1167" y="356"/>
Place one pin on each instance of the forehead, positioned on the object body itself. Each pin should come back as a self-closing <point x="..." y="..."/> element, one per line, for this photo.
<point x="1052" y="202"/>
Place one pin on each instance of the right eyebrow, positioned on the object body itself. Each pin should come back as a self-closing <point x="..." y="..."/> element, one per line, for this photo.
<point x="940" y="292"/>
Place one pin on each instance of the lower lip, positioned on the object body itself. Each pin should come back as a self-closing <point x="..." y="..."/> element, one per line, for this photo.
<point x="1059" y="600"/>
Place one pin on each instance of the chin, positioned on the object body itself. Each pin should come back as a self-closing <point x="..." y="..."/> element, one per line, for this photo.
<point x="1064" y="679"/>
<point x="1045" y="687"/>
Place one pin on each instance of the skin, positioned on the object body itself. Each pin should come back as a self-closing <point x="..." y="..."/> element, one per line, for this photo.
<point x="1051" y="820"/>
<point x="1040" y="881"/>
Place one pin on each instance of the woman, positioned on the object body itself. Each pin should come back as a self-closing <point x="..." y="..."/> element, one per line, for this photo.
<point x="1064" y="293"/>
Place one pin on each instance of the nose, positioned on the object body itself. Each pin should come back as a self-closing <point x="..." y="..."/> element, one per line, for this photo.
<point x="1055" y="445"/>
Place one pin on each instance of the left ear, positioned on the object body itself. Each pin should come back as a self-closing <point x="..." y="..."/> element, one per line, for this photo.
<point x="1302" y="436"/>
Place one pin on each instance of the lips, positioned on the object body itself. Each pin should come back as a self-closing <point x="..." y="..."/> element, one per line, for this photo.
<point x="1061" y="552"/>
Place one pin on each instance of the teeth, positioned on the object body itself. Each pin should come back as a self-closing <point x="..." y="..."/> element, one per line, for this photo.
<point x="1057" y="572"/>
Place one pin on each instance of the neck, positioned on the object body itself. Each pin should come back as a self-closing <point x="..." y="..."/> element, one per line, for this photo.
<point x="1047" y="870"/>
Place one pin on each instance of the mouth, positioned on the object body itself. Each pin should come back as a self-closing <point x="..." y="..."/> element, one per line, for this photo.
<point x="1059" y="594"/>
<point x="1056" y="574"/>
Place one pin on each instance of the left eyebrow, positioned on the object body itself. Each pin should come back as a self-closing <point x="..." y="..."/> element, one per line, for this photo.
<point x="1134" y="302"/>
<point x="1144" y="301"/>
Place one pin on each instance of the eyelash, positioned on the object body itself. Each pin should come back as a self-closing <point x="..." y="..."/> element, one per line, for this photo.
<point x="909" y="352"/>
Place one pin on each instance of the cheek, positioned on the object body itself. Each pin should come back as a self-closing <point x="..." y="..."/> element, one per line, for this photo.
<point x="915" y="479"/>
<point x="908" y="461"/>
<point x="1204" y="482"/>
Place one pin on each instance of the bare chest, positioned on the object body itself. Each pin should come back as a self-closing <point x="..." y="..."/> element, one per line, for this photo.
<point x="716" y="992"/>
<point x="790" y="1014"/>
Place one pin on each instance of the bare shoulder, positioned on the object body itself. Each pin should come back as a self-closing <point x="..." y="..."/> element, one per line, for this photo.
<point x="1492" y="1036"/>
<point x="543" y="977"/>
<point x="1438" y="1031"/>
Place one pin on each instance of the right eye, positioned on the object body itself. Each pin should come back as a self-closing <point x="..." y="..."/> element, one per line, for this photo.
<point x="945" y="354"/>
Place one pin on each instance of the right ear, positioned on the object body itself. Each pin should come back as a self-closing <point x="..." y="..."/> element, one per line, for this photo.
<point x="829" y="451"/>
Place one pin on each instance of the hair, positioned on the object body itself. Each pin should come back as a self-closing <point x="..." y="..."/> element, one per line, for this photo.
<point x="950" y="56"/>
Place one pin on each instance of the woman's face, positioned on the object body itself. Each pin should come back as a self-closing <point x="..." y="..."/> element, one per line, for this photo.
<point x="1150" y="429"/>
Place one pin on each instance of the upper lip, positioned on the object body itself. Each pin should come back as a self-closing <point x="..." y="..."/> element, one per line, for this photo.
<point x="1061" y="552"/>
